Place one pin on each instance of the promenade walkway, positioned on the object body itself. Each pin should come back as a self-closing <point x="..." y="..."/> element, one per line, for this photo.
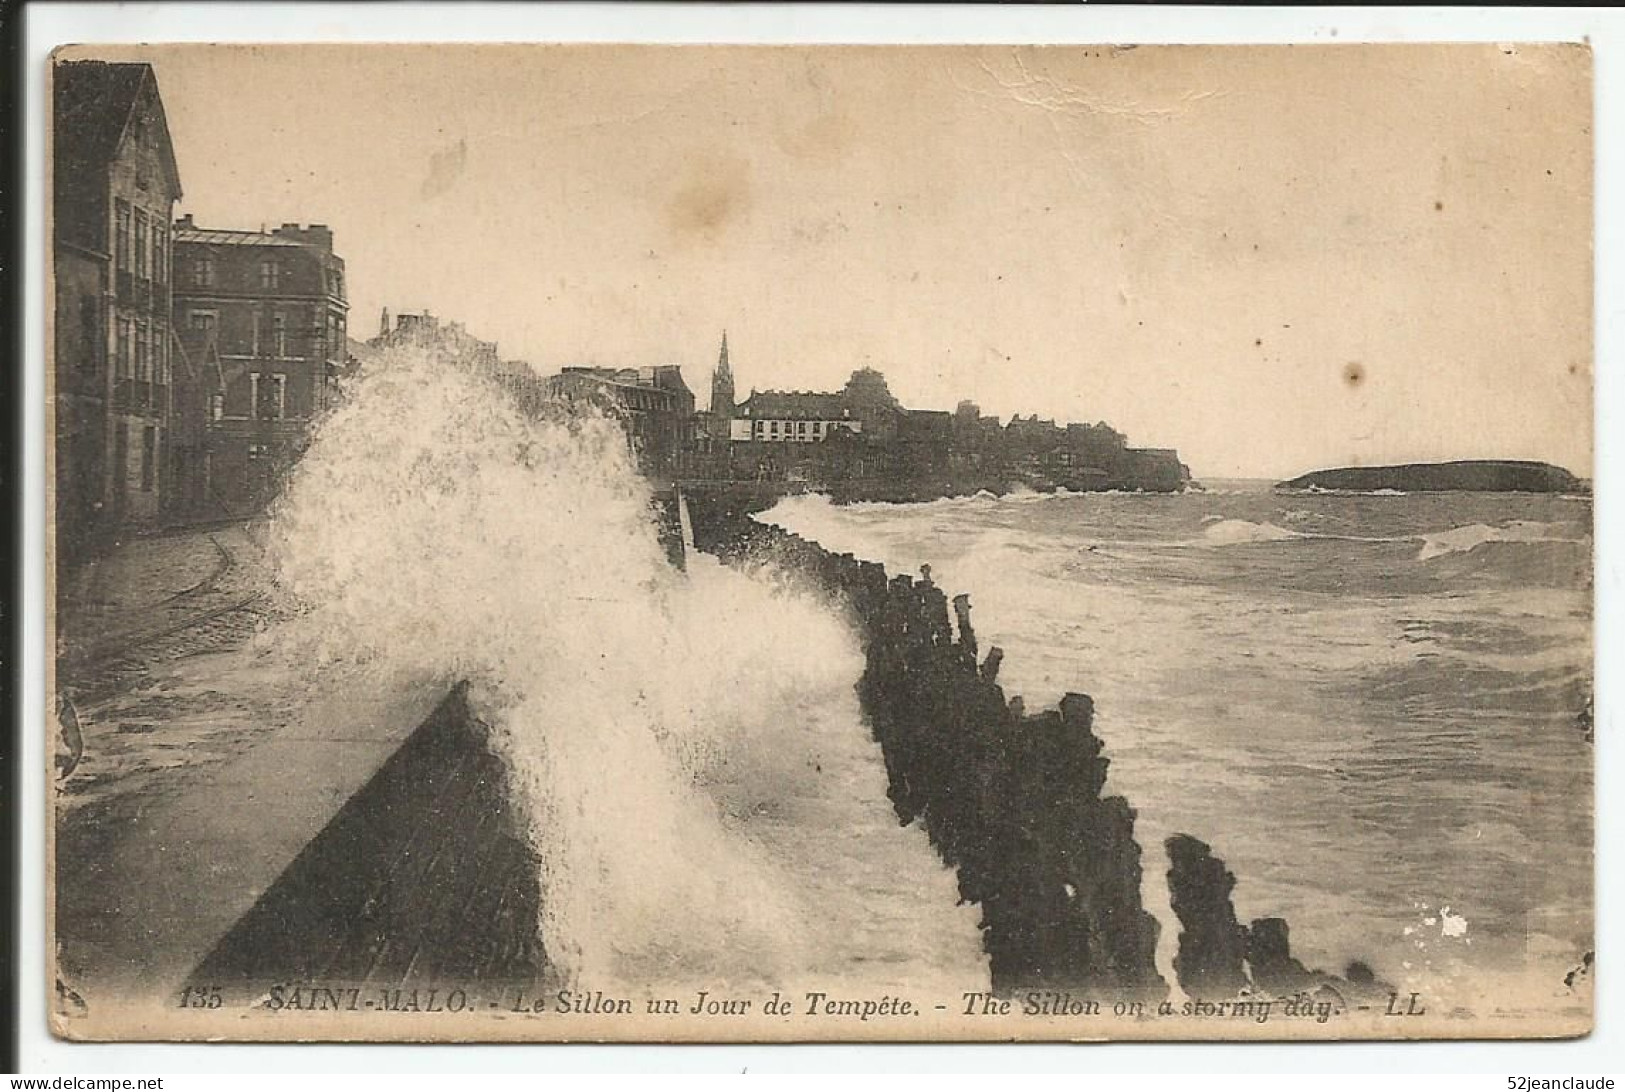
<point x="210" y="762"/>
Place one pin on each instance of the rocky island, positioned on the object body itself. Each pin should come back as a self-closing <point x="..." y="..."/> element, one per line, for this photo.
<point x="1472" y="476"/>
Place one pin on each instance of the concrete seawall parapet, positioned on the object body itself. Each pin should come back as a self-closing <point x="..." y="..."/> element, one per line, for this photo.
<point x="423" y="877"/>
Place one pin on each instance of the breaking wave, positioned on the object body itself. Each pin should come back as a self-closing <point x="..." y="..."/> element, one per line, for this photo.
<point x="1232" y="532"/>
<point x="655" y="725"/>
<point x="1459" y="540"/>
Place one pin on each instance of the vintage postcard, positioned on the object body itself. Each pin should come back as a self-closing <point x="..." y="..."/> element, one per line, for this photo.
<point x="766" y="543"/>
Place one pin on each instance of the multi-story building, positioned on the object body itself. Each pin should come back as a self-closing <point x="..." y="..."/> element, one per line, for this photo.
<point x="423" y="330"/>
<point x="450" y="341"/>
<point x="923" y="441"/>
<point x="115" y="184"/>
<point x="654" y="403"/>
<point x="260" y="320"/>
<point x="792" y="417"/>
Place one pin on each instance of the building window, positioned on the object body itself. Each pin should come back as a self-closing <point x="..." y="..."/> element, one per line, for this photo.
<point x="279" y="334"/>
<point x="217" y="406"/>
<point x="149" y="457"/>
<point x="270" y="273"/>
<point x="203" y="272"/>
<point x="143" y="352"/>
<point x="160" y="252"/>
<point x="201" y="321"/>
<point x="160" y="352"/>
<point x="121" y="235"/>
<point x="126" y="349"/>
<point x="143" y="257"/>
<point x="268" y="393"/>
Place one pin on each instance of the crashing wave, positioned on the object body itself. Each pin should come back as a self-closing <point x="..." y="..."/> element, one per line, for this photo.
<point x="1233" y="532"/>
<point x="1460" y="540"/>
<point x="436" y="532"/>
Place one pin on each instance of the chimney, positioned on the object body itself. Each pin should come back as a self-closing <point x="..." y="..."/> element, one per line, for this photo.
<point x="320" y="235"/>
<point x="185" y="223"/>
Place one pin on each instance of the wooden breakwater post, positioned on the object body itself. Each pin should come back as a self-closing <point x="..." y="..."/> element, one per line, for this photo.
<point x="1014" y="803"/>
<point x="1220" y="958"/>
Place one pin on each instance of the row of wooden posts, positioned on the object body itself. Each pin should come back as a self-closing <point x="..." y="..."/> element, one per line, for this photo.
<point x="1015" y="802"/>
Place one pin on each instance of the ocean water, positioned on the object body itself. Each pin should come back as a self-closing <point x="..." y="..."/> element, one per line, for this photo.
<point x="1369" y="705"/>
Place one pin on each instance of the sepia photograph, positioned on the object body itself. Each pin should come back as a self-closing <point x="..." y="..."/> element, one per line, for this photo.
<point x="829" y="543"/>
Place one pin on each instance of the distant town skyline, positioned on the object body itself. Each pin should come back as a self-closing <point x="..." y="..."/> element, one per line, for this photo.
<point x="1273" y="259"/>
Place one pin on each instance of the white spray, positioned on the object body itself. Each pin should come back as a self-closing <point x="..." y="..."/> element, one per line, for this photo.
<point x="665" y="734"/>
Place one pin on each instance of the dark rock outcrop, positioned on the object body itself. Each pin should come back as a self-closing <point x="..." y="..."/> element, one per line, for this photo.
<point x="1477" y="475"/>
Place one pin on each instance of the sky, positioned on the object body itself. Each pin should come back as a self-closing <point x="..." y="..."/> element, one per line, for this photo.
<point x="1271" y="258"/>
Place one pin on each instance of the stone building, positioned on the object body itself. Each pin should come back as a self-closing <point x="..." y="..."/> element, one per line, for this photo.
<point x="260" y="319"/>
<point x="712" y="425"/>
<point x="923" y="441"/>
<point x="722" y="385"/>
<point x="653" y="403"/>
<point x="115" y="184"/>
<point x="424" y="330"/>
<point x="792" y="417"/>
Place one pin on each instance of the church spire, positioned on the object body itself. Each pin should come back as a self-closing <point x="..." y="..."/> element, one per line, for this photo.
<point x="722" y="383"/>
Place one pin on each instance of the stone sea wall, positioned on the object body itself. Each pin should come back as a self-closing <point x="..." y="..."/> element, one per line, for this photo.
<point x="424" y="877"/>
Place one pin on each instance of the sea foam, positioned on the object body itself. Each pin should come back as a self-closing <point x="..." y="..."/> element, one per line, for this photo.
<point x="1470" y="537"/>
<point x="648" y="719"/>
